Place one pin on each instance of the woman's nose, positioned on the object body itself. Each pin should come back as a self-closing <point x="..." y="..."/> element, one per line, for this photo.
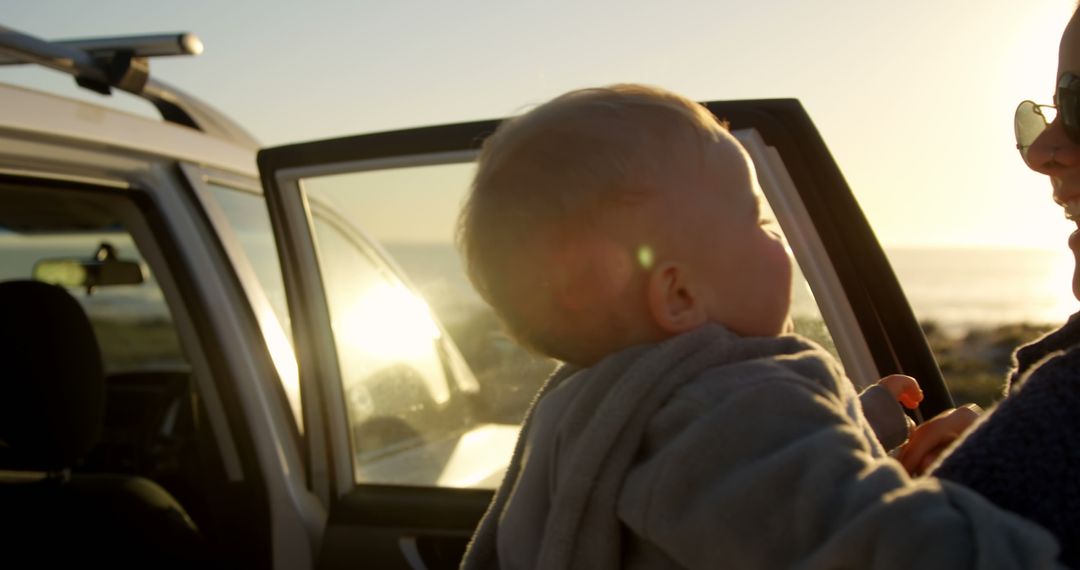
<point x="1053" y="151"/>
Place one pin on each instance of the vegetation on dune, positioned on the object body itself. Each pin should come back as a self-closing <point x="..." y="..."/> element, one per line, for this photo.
<point x="975" y="361"/>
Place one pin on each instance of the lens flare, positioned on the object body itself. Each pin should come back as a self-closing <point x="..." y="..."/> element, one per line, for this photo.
<point x="645" y="257"/>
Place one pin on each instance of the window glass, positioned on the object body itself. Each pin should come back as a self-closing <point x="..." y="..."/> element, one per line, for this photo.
<point x="250" y="222"/>
<point x="407" y="400"/>
<point x="243" y="221"/>
<point x="133" y="325"/>
<point x="410" y="214"/>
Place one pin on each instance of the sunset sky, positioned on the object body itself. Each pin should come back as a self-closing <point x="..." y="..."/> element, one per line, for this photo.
<point x="915" y="99"/>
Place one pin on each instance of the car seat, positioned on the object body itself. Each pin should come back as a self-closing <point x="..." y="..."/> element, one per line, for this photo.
<point x="52" y="401"/>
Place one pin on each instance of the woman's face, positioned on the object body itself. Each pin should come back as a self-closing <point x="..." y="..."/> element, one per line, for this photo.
<point x="1057" y="156"/>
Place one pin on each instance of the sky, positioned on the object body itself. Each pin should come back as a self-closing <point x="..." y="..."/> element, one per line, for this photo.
<point x="914" y="99"/>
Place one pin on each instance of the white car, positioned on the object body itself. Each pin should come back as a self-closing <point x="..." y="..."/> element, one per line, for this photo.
<point x="267" y="363"/>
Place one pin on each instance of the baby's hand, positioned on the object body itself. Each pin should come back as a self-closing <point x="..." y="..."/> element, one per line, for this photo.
<point x="880" y="407"/>
<point x="931" y="437"/>
<point x="904" y="388"/>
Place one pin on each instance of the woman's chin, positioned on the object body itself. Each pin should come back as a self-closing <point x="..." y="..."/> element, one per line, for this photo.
<point x="1076" y="275"/>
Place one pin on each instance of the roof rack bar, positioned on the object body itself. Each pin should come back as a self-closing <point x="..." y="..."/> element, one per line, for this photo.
<point x="121" y="62"/>
<point x="155" y="45"/>
<point x="17" y="46"/>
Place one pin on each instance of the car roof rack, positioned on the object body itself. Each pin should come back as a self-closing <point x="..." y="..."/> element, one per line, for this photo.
<point x="104" y="64"/>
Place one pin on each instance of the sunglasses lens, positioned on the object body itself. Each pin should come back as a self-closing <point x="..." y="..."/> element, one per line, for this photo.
<point x="1069" y="106"/>
<point x="1029" y="123"/>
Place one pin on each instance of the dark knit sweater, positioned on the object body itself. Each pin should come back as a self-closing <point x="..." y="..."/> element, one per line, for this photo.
<point x="1025" y="454"/>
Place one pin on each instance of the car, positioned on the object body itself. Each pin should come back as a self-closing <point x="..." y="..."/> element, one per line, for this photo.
<point x="292" y="353"/>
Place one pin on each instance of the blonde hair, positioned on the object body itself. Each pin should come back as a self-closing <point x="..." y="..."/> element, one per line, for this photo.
<point x="557" y="167"/>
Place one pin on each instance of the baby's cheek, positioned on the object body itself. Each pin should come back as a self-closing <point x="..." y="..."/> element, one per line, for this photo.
<point x="592" y="273"/>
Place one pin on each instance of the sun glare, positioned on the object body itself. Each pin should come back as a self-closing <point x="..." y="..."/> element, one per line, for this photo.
<point x="388" y="324"/>
<point x="1032" y="56"/>
<point x="281" y="352"/>
<point x="389" y="321"/>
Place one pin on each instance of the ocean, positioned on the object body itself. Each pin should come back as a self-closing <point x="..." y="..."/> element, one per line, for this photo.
<point x="953" y="288"/>
<point x="979" y="287"/>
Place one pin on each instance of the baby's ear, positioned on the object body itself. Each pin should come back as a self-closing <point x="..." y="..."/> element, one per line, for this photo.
<point x="673" y="301"/>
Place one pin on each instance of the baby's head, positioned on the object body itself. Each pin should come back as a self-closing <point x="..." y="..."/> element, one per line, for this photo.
<point x="618" y="216"/>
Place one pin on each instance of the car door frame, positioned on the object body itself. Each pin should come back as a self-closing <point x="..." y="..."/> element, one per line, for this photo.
<point x="412" y="527"/>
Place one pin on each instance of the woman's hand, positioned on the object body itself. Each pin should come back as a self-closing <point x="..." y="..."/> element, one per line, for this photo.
<point x="931" y="437"/>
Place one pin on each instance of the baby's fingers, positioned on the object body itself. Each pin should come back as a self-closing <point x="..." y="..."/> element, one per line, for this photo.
<point x="904" y="388"/>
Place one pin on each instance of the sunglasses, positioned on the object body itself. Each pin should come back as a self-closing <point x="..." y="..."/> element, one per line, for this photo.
<point x="1031" y="119"/>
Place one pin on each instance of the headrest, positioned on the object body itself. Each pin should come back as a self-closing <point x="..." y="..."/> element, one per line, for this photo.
<point x="52" y="386"/>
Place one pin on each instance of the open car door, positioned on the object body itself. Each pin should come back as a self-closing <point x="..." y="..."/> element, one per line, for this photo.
<point x="412" y="398"/>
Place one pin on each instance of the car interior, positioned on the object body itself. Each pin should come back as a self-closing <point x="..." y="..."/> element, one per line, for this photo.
<point x="105" y="444"/>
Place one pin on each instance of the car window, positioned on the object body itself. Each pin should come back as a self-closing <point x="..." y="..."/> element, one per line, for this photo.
<point x="243" y="223"/>
<point x="410" y="212"/>
<point x="133" y="325"/>
<point x="404" y="401"/>
<point x="250" y="222"/>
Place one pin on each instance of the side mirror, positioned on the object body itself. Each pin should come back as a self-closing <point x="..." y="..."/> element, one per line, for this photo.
<point x="104" y="268"/>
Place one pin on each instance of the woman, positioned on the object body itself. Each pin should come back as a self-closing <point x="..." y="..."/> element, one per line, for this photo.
<point x="1025" y="455"/>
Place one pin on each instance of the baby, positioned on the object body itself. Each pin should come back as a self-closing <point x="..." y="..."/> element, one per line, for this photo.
<point x="617" y="229"/>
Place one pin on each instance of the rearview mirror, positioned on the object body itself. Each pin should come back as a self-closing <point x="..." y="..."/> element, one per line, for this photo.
<point x="104" y="268"/>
